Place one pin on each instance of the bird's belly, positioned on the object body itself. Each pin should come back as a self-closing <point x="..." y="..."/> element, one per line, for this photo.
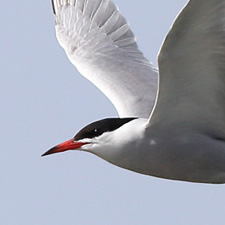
<point x="195" y="159"/>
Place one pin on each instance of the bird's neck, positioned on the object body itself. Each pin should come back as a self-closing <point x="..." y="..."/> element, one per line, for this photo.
<point x="121" y="146"/>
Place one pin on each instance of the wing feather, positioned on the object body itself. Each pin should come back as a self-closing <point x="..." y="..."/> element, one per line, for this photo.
<point x="192" y="70"/>
<point x="100" y="44"/>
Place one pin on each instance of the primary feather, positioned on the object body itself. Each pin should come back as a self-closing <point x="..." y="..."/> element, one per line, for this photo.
<point x="99" y="43"/>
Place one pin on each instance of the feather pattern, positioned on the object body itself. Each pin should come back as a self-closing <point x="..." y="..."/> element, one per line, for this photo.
<point x="99" y="43"/>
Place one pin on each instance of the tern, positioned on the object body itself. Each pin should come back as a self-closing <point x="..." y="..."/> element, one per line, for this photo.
<point x="172" y="119"/>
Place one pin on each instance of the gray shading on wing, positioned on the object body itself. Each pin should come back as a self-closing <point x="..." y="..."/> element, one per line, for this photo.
<point x="100" y="44"/>
<point x="192" y="71"/>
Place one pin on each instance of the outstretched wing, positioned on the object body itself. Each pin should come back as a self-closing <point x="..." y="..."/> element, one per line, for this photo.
<point x="100" y="44"/>
<point x="192" y="70"/>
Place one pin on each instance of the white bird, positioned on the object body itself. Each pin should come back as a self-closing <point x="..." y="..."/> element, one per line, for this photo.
<point x="174" y="129"/>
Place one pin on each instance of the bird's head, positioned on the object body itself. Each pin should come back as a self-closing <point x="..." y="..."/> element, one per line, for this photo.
<point x="93" y="137"/>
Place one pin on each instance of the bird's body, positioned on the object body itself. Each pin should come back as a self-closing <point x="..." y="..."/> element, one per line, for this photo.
<point x="181" y="134"/>
<point x="166" y="152"/>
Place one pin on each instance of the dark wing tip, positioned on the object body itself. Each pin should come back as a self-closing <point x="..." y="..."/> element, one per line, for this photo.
<point x="53" y="7"/>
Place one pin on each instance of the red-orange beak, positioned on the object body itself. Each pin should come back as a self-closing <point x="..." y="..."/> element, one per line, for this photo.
<point x="67" y="145"/>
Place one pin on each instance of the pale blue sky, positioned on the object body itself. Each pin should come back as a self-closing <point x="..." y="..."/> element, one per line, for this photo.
<point x="44" y="101"/>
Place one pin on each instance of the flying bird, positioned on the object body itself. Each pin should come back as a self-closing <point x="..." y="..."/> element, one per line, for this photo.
<point x="172" y="119"/>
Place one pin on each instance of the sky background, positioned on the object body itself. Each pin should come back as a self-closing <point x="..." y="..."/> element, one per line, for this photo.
<point x="44" y="101"/>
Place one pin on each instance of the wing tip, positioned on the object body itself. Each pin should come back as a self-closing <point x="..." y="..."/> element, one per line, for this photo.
<point x="53" y="7"/>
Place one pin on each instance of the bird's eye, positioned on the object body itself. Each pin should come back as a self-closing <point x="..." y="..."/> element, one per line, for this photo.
<point x="95" y="130"/>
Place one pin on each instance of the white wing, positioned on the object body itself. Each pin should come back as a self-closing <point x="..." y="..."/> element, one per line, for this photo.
<point x="100" y="44"/>
<point x="192" y="70"/>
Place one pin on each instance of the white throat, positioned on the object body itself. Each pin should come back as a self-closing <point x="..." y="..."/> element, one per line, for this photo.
<point x="120" y="145"/>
